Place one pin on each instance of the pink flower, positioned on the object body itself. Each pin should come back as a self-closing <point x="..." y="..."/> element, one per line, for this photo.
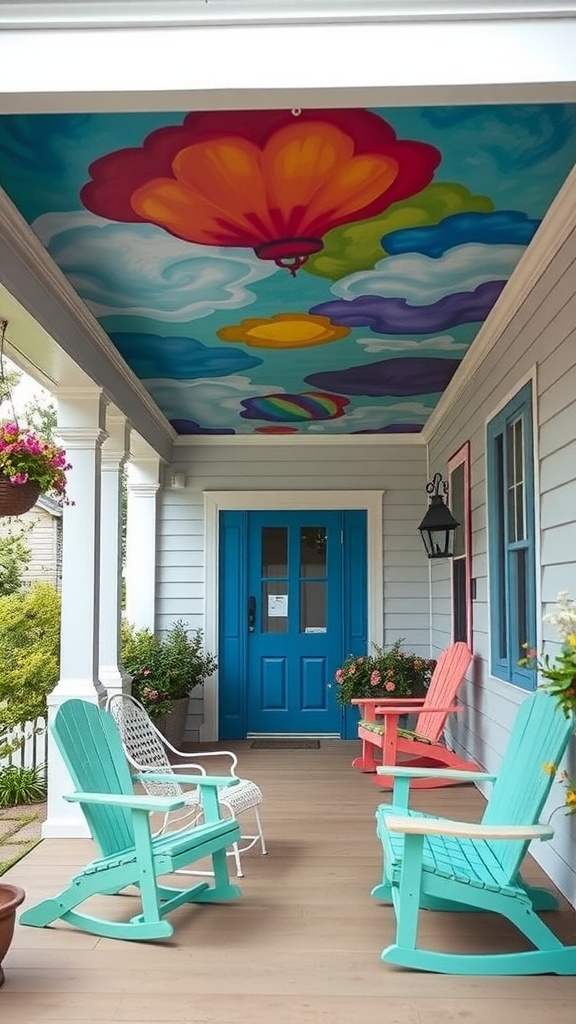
<point x="339" y="676"/>
<point x="390" y="686"/>
<point x="19" y="478"/>
<point x="375" y="678"/>
<point x="351" y="670"/>
<point x="531" y="652"/>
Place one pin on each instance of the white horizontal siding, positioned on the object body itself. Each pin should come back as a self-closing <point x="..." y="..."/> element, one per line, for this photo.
<point x="539" y="341"/>
<point x="39" y="530"/>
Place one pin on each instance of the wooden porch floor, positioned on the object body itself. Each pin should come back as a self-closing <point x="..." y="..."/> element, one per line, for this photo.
<point x="301" y="947"/>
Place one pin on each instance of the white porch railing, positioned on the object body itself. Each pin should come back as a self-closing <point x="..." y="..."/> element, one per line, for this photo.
<point x="29" y="743"/>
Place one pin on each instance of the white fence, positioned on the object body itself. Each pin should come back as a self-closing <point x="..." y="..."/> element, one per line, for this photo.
<point x="31" y="746"/>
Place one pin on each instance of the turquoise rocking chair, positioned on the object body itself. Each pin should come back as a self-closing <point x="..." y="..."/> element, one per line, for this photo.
<point x="432" y="863"/>
<point x="119" y="820"/>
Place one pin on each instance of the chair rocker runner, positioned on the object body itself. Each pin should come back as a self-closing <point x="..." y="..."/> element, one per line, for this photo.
<point x="424" y="745"/>
<point x="119" y="821"/>
<point x="432" y="863"/>
<point x="147" y="751"/>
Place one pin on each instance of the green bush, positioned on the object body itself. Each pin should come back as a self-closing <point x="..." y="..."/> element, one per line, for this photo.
<point x="20" y="785"/>
<point x="29" y="653"/>
<point x="15" y="556"/>
<point x="166" y="668"/>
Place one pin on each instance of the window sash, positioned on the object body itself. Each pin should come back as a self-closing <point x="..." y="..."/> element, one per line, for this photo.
<point x="511" y="539"/>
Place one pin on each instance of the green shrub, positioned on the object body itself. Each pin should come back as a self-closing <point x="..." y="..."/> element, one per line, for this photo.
<point x="166" y="668"/>
<point x="21" y="786"/>
<point x="29" y="653"/>
<point x="15" y="556"/>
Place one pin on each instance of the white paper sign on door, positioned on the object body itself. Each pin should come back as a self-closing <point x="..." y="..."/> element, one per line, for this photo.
<point x="277" y="606"/>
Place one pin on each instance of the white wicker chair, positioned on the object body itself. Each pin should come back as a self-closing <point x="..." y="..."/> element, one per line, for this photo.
<point x="148" y="750"/>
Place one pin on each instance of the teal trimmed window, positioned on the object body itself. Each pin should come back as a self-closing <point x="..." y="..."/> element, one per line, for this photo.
<point x="511" y="539"/>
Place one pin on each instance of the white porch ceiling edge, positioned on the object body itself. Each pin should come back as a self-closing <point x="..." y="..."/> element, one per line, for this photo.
<point x="126" y="13"/>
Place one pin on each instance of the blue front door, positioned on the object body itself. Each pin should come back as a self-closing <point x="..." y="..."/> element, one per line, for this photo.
<point x="300" y="610"/>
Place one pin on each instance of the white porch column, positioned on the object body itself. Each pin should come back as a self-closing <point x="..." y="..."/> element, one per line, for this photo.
<point x="143" y="484"/>
<point x="114" y="454"/>
<point x="81" y="418"/>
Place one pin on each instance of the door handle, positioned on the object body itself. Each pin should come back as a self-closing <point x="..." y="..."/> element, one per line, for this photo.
<point x="251" y="614"/>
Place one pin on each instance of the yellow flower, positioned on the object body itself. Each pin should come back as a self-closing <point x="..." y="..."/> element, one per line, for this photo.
<point x="549" y="768"/>
<point x="571" y="640"/>
<point x="571" y="797"/>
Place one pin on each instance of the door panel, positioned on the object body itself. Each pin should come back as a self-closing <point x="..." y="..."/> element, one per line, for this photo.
<point x="292" y="600"/>
<point x="295" y="572"/>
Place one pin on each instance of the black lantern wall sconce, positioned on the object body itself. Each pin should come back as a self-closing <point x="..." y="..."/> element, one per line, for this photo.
<point x="439" y="525"/>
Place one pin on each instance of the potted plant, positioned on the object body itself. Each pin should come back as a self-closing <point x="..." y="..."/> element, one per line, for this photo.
<point x="29" y="466"/>
<point x="164" y="672"/>
<point x="385" y="673"/>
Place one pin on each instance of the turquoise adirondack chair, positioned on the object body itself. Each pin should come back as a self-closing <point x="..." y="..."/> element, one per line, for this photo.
<point x="432" y="863"/>
<point x="119" y="820"/>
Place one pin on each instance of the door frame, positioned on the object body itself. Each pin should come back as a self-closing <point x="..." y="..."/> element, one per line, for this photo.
<point x="288" y="501"/>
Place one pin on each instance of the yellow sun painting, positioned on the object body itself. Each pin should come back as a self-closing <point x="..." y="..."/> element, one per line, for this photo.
<point x="284" y="330"/>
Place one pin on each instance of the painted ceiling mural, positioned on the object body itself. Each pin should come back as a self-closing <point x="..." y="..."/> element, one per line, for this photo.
<point x="290" y="271"/>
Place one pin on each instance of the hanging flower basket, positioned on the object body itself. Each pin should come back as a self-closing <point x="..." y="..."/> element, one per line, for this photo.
<point x="15" y="499"/>
<point x="29" y="466"/>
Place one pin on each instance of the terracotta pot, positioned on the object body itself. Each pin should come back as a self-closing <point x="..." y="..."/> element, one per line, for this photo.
<point x="11" y="896"/>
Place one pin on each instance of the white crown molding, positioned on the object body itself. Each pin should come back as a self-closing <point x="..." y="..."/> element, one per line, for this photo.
<point x="303" y="440"/>
<point x="45" y="14"/>
<point x="558" y="224"/>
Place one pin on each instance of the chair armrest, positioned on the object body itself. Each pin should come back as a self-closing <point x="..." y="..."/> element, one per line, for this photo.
<point x="405" y="709"/>
<point x="199" y="756"/>
<point x="437" y="773"/>
<point x="214" y="781"/>
<point x="464" y="829"/>
<point x="370" y="701"/>
<point x="136" y="802"/>
<point x="390" y="701"/>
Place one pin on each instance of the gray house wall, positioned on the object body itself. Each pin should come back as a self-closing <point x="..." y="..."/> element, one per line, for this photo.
<point x="539" y="344"/>
<point x="41" y="530"/>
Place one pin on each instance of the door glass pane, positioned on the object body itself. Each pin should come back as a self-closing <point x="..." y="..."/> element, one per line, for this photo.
<point x="275" y="607"/>
<point x="274" y="551"/>
<point x="312" y="606"/>
<point x="313" y="551"/>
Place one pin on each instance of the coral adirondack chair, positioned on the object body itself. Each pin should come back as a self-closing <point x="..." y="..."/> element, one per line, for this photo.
<point x="379" y="727"/>
<point x="433" y="863"/>
<point x="130" y="855"/>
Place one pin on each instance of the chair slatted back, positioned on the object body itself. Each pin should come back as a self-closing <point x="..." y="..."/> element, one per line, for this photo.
<point x="91" y="748"/>
<point x="446" y="679"/>
<point x="539" y="738"/>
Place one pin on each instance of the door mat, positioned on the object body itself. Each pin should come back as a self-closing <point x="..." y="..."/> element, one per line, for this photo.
<point x="285" y="744"/>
